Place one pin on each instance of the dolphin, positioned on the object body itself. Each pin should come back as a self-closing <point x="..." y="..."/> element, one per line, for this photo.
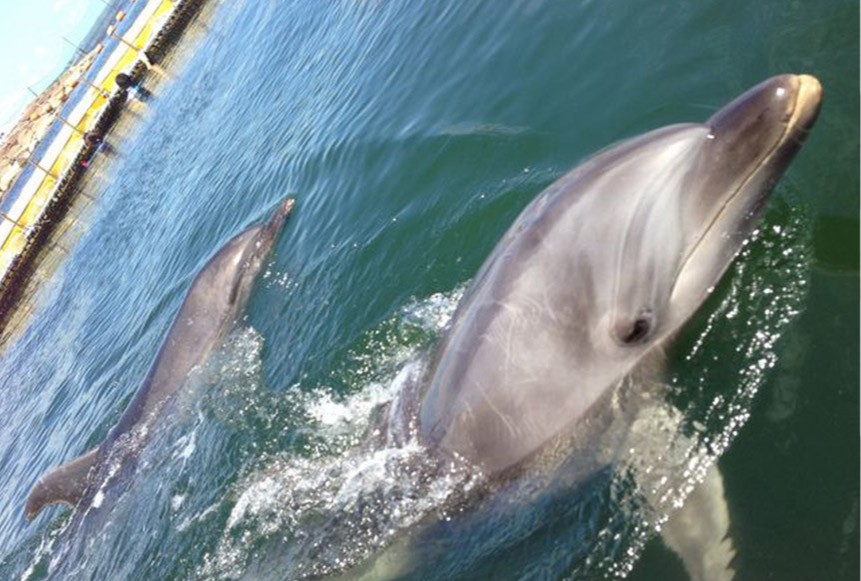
<point x="578" y="300"/>
<point x="216" y="298"/>
<point x="601" y="270"/>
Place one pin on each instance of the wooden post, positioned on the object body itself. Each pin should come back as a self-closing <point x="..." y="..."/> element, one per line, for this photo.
<point x="37" y="166"/>
<point x="63" y="119"/>
<point x="104" y="93"/>
<point x="83" y="77"/>
<point x="112" y="34"/>
<point x="127" y="43"/>
<point x="8" y="218"/>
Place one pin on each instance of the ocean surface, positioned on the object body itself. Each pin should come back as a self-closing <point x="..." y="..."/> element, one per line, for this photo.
<point x="411" y="135"/>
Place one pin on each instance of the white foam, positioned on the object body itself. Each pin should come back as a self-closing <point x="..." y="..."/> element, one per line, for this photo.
<point x="435" y="312"/>
<point x="294" y="497"/>
<point x="176" y="501"/>
<point x="185" y="446"/>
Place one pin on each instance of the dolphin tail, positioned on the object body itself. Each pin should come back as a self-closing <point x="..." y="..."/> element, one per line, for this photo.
<point x="64" y="484"/>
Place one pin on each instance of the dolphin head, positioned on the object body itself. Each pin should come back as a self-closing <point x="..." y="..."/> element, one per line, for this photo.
<point x="256" y="244"/>
<point x="231" y="273"/>
<point x="750" y="144"/>
<point x="686" y="198"/>
<point x="605" y="265"/>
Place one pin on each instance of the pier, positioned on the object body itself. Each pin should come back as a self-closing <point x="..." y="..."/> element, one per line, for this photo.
<point x="36" y="193"/>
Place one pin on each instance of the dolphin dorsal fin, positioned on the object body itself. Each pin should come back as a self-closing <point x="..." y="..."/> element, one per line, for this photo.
<point x="64" y="484"/>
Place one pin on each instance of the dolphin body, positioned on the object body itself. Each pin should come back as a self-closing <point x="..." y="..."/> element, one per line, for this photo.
<point x="581" y="295"/>
<point x="217" y="296"/>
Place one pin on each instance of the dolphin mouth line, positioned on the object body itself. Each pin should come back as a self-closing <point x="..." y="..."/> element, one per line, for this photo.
<point x="791" y="126"/>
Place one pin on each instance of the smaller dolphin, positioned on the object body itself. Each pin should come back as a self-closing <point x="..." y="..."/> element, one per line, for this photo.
<point x="216" y="297"/>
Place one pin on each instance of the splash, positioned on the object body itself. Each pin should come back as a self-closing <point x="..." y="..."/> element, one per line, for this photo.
<point x="329" y="508"/>
<point x="673" y="444"/>
<point x="325" y="510"/>
<point x="320" y="490"/>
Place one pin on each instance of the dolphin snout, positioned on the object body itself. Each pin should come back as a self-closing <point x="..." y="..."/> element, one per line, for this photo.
<point x="808" y="102"/>
<point x="284" y="209"/>
<point x="280" y="215"/>
<point x="779" y="106"/>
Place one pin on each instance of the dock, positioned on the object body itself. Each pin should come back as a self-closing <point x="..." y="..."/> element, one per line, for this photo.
<point x="38" y="191"/>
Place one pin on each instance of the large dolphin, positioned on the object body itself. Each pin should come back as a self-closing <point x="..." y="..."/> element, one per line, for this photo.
<point x="216" y="298"/>
<point x="602" y="269"/>
<point x="588" y="285"/>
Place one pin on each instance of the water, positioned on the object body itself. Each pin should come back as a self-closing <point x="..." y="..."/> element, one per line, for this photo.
<point x="412" y="134"/>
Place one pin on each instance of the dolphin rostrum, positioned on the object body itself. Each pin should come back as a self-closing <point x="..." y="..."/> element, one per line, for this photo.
<point x="216" y="298"/>
<point x="601" y="269"/>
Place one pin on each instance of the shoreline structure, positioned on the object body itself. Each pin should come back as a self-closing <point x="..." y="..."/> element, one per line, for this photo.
<point x="58" y="148"/>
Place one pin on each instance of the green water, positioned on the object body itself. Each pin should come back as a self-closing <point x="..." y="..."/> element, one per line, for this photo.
<point x="412" y="134"/>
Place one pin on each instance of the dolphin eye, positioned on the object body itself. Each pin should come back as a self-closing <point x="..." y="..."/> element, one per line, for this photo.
<point x="634" y="331"/>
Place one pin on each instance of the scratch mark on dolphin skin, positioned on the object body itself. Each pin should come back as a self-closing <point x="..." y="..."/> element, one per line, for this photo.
<point x="545" y="306"/>
<point x="495" y="409"/>
<point x="509" y="333"/>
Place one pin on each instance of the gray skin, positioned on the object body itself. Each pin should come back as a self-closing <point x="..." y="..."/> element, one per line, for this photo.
<point x="216" y="298"/>
<point x="600" y="270"/>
